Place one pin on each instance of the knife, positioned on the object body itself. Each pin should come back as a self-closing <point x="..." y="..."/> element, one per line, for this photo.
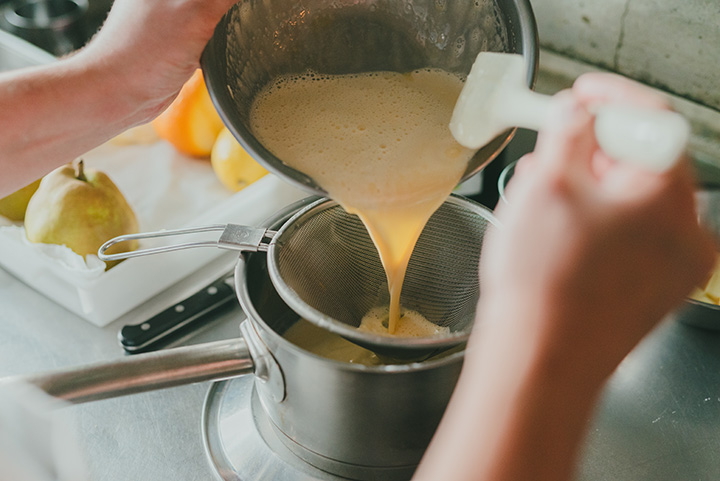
<point x="179" y="319"/>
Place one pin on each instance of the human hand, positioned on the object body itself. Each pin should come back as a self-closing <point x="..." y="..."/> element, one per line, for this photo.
<point x="593" y="252"/>
<point x="154" y="46"/>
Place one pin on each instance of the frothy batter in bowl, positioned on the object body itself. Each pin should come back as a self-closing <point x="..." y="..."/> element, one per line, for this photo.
<point x="378" y="142"/>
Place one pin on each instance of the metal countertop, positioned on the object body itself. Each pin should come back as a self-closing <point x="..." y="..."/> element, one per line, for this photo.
<point x="152" y="436"/>
<point x="658" y="419"/>
<point x="659" y="416"/>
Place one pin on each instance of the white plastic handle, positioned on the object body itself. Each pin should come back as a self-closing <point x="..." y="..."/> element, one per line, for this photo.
<point x="496" y="97"/>
<point x="650" y="138"/>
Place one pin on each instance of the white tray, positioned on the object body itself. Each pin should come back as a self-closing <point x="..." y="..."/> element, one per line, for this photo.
<point x="166" y="190"/>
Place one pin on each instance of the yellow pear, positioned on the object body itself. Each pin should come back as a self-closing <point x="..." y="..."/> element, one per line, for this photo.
<point x="81" y="209"/>
<point x="14" y="205"/>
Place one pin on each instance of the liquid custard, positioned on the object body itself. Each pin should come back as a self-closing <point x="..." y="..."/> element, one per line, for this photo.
<point x="324" y="343"/>
<point x="378" y="143"/>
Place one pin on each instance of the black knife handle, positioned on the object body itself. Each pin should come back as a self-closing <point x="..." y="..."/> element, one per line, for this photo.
<point x="177" y="319"/>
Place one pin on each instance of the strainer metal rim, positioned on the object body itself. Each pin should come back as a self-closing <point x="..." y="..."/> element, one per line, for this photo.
<point x="310" y="314"/>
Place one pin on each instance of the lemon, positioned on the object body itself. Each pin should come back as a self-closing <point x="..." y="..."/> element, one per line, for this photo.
<point x="234" y="167"/>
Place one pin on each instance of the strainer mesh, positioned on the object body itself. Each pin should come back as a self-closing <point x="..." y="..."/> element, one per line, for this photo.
<point x="328" y="260"/>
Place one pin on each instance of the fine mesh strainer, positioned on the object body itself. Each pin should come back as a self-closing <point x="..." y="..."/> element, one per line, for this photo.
<point x="324" y="265"/>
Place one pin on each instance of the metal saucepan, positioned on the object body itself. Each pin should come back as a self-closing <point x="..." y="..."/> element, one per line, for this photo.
<point x="356" y="421"/>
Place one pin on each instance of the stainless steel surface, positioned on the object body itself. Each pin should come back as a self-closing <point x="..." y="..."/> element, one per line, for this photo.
<point x="147" y="372"/>
<point x="258" y="41"/>
<point x="658" y="418"/>
<point x="146" y="437"/>
<point x="267" y="370"/>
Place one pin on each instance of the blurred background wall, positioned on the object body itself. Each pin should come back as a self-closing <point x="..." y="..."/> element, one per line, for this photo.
<point x="670" y="44"/>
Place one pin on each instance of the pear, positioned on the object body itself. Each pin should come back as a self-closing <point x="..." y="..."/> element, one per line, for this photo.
<point x="81" y="209"/>
<point x="14" y="205"/>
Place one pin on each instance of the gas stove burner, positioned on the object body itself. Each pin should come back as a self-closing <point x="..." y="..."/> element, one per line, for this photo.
<point x="240" y="442"/>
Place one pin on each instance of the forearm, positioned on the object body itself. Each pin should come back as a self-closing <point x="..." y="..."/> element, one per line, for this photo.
<point x="131" y="70"/>
<point x="54" y="113"/>
<point x="571" y="283"/>
<point x="520" y="410"/>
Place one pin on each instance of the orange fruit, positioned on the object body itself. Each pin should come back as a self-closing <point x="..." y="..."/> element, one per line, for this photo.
<point x="232" y="164"/>
<point x="191" y="122"/>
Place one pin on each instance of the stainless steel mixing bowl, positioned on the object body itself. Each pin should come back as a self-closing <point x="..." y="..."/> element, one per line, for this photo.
<point x="260" y="40"/>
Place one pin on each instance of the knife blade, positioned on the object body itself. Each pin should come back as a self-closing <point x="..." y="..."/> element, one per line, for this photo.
<point x="180" y="319"/>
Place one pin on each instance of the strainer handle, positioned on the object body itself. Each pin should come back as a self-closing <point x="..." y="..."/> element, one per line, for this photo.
<point x="233" y="237"/>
